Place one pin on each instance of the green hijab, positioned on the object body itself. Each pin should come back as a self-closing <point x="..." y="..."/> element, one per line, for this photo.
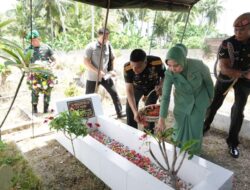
<point x="183" y="47"/>
<point x="178" y="53"/>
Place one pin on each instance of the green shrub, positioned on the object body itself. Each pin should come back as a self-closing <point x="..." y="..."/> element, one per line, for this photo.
<point x="70" y="122"/>
<point x="4" y="73"/>
<point x="71" y="90"/>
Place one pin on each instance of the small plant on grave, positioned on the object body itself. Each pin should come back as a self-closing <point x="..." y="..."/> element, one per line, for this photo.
<point x="178" y="156"/>
<point x="81" y="70"/>
<point x="71" y="90"/>
<point x="71" y="123"/>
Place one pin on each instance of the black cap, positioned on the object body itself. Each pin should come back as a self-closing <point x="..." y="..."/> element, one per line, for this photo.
<point x="138" y="55"/>
<point x="102" y="30"/>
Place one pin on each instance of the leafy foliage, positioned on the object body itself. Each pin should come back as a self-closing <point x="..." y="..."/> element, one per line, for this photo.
<point x="71" y="91"/>
<point x="125" y="41"/>
<point x="2" y="145"/>
<point x="75" y="39"/>
<point x="71" y="122"/>
<point x="4" y="69"/>
<point x="67" y="25"/>
<point x="4" y="73"/>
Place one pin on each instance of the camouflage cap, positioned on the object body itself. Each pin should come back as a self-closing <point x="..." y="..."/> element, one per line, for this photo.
<point x="242" y="20"/>
<point x="33" y="34"/>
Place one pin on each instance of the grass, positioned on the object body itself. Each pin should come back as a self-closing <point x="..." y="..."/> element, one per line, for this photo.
<point x="24" y="178"/>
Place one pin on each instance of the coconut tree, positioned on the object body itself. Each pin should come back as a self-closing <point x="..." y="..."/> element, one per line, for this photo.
<point x="215" y="8"/>
<point x="209" y="10"/>
<point x="53" y="11"/>
<point x="22" y="22"/>
<point x="164" y="27"/>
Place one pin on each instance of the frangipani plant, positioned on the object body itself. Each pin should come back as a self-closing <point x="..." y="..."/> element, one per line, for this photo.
<point x="178" y="155"/>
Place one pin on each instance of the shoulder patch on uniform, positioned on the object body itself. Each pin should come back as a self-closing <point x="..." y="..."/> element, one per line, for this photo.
<point x="156" y="62"/>
<point x="127" y="67"/>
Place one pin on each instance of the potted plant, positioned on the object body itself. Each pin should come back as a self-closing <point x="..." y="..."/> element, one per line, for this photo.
<point x="71" y="123"/>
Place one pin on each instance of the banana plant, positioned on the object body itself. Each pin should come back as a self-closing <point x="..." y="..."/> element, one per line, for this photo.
<point x="14" y="55"/>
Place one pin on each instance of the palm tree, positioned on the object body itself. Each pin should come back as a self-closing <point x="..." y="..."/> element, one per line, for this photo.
<point x="55" y="11"/>
<point x="210" y="10"/>
<point x="22" y="20"/>
<point x="214" y="10"/>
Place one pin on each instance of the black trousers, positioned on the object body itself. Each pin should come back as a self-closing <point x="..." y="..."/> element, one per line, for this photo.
<point x="110" y="87"/>
<point x="152" y="99"/>
<point x="241" y="93"/>
<point x="35" y="97"/>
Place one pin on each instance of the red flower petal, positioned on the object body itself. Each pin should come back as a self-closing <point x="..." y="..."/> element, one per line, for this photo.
<point x="89" y="125"/>
<point x="51" y="118"/>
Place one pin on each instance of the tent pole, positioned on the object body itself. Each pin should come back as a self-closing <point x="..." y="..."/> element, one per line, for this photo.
<point x="151" y="40"/>
<point x="100" y="61"/>
<point x="184" y="31"/>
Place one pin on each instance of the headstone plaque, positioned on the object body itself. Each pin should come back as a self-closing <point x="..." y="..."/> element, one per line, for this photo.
<point x="84" y="105"/>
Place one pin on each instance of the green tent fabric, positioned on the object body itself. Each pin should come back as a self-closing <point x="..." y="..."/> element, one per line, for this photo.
<point x="171" y="5"/>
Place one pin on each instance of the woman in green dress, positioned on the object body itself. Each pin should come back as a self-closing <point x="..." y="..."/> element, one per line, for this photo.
<point x="192" y="95"/>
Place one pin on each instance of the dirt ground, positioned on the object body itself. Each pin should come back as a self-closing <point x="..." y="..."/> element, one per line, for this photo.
<point x="59" y="170"/>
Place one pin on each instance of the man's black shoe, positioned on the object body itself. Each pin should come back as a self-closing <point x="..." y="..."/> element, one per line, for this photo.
<point x="34" y="108"/>
<point x="45" y="108"/>
<point x="234" y="151"/>
<point x="121" y="115"/>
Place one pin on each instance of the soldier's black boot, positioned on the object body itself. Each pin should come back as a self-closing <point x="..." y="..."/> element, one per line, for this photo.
<point x="34" y="108"/>
<point x="45" y="107"/>
<point x="206" y="127"/>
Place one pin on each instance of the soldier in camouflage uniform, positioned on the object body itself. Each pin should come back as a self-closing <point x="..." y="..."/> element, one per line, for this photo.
<point x="44" y="54"/>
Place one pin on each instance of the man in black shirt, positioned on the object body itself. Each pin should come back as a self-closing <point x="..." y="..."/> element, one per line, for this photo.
<point x="234" y="60"/>
<point x="142" y="75"/>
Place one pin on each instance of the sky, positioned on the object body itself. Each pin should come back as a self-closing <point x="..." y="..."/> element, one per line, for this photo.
<point x="232" y="9"/>
<point x="6" y="4"/>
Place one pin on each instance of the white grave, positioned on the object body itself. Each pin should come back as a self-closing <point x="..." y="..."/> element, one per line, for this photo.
<point x="119" y="173"/>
